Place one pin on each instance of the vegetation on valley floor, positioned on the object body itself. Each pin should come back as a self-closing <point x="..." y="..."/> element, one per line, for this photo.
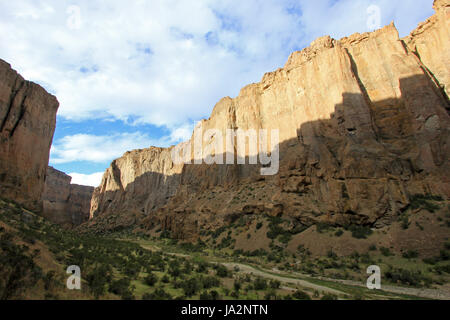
<point x="34" y="255"/>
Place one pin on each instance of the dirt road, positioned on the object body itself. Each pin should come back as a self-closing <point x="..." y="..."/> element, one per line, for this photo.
<point x="435" y="294"/>
<point x="418" y="292"/>
<point x="250" y="270"/>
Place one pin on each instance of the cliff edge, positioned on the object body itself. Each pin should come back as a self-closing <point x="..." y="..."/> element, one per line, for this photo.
<point x="27" y="125"/>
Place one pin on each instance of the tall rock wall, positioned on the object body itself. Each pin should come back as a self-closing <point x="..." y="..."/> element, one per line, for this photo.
<point x="27" y="124"/>
<point x="139" y="182"/>
<point x="430" y="42"/>
<point x="363" y="125"/>
<point x="64" y="203"/>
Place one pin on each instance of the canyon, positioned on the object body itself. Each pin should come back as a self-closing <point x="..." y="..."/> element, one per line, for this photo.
<point x="28" y="121"/>
<point x="335" y="162"/>
<point x="64" y="203"/>
<point x="363" y="128"/>
<point x="363" y="125"/>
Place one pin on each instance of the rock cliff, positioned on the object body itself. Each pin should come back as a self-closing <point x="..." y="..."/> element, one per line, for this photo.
<point x="27" y="124"/>
<point x="430" y="42"/>
<point x="64" y="203"/>
<point x="363" y="126"/>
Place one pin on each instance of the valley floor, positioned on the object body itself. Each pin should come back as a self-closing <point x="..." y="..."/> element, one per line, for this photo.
<point x="34" y="256"/>
<point x="292" y="281"/>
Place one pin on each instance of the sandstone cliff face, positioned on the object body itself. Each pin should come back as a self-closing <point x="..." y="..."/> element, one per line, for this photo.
<point x="27" y="124"/>
<point x="65" y="204"/>
<point x="363" y="125"/>
<point x="139" y="182"/>
<point x="430" y="41"/>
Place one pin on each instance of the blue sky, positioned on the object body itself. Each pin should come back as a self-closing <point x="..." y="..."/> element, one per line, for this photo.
<point x="131" y="74"/>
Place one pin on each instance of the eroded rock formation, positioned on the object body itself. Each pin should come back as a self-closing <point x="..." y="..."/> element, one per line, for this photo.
<point x="64" y="203"/>
<point x="27" y="124"/>
<point x="430" y="42"/>
<point x="363" y="125"/>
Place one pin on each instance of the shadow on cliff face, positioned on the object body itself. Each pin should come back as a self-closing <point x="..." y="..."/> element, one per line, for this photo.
<point x="361" y="166"/>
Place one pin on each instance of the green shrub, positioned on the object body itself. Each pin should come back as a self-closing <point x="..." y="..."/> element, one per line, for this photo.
<point x="218" y="232"/>
<point x="360" y="232"/>
<point x="190" y="287"/>
<point x="407" y="277"/>
<point x="322" y="227"/>
<point x="444" y="255"/>
<point x="237" y="285"/>
<point x="260" y="284"/>
<point x="17" y="270"/>
<point x="131" y="270"/>
<point x="274" y="231"/>
<point x="274" y="284"/>
<point x="159" y="294"/>
<point x="205" y="295"/>
<point x="174" y="269"/>
<point x="331" y="254"/>
<point x="410" y="254"/>
<point x="298" y="229"/>
<point x="49" y="279"/>
<point x="209" y="282"/>
<point x="431" y="261"/>
<point x="202" y="267"/>
<point x="151" y="279"/>
<point x="301" y="295"/>
<point x="226" y="242"/>
<point x="386" y="252"/>
<point x="122" y="288"/>
<point x="222" y="271"/>
<point x="273" y="257"/>
<point x="339" y="233"/>
<point x="424" y="202"/>
<point x="255" y="253"/>
<point x="98" y="279"/>
<point x="366" y="259"/>
<point x="441" y="269"/>
<point x="285" y="238"/>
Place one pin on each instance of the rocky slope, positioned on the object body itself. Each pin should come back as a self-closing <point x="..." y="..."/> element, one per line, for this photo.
<point x="27" y="124"/>
<point x="363" y="126"/>
<point x="64" y="203"/>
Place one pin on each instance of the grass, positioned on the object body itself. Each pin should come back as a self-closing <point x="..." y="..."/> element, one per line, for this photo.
<point x="133" y="257"/>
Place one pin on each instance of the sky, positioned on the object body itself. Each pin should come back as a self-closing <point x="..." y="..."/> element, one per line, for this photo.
<point x="139" y="73"/>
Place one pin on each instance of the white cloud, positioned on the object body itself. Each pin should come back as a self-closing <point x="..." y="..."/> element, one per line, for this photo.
<point x="92" y="180"/>
<point x="153" y="60"/>
<point x="97" y="149"/>
<point x="166" y="62"/>
<point x="105" y="148"/>
<point x="181" y="133"/>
